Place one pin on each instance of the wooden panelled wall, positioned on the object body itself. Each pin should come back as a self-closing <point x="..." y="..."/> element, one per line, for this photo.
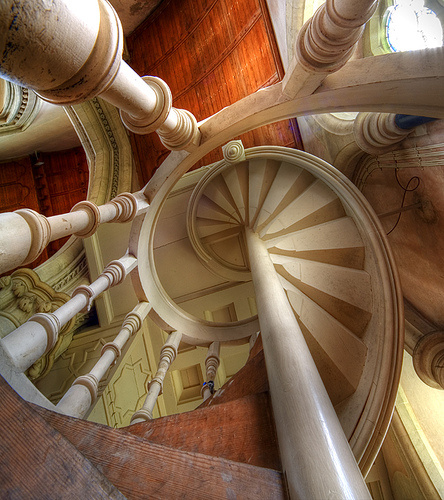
<point x="211" y="53"/>
<point x="50" y="184"/>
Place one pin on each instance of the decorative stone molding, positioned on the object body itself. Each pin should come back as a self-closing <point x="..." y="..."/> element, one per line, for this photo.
<point x="22" y="296"/>
<point x="27" y="343"/>
<point x="428" y="359"/>
<point x="417" y="157"/>
<point x="377" y="133"/>
<point x="18" y="107"/>
<point x="233" y="152"/>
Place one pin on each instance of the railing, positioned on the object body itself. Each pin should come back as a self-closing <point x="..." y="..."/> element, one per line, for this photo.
<point x="63" y="76"/>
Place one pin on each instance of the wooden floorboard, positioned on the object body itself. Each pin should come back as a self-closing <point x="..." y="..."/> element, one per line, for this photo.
<point x="37" y="462"/>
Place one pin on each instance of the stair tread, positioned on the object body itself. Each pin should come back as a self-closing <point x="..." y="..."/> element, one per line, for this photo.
<point x="37" y="461"/>
<point x="241" y="430"/>
<point x="143" y="469"/>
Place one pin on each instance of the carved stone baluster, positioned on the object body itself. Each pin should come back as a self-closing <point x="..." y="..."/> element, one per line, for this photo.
<point x="168" y="354"/>
<point x="211" y="364"/>
<point x="38" y="335"/>
<point x="325" y="43"/>
<point x="24" y="234"/>
<point x="84" y="391"/>
<point x="48" y="59"/>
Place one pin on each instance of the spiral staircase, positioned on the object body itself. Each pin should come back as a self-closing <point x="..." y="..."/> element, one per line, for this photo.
<point x="329" y="252"/>
<point x="337" y="272"/>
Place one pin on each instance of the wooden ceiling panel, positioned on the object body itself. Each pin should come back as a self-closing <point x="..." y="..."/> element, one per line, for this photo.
<point x="211" y="53"/>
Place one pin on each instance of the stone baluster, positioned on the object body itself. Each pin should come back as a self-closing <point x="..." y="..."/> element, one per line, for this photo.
<point x="211" y="365"/>
<point x="48" y="59"/>
<point x="168" y="354"/>
<point x="38" y="335"/>
<point x="84" y="391"/>
<point x="377" y="133"/>
<point x="308" y="429"/>
<point x="325" y="43"/>
<point x="24" y="234"/>
<point x="380" y="133"/>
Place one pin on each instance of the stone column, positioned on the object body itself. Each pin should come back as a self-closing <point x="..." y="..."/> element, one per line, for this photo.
<point x="316" y="458"/>
<point x="212" y="362"/>
<point x="24" y="234"/>
<point x="325" y="43"/>
<point x="84" y="391"/>
<point x="49" y="59"/>
<point x="37" y="336"/>
<point x="428" y="359"/>
<point x="168" y="354"/>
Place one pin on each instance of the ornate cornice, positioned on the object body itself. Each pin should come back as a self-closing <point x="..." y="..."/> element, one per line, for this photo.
<point x="18" y="107"/>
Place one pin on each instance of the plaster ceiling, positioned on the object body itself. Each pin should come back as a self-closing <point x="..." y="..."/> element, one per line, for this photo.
<point x="133" y="12"/>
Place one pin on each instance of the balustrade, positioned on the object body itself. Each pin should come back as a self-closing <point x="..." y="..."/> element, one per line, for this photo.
<point x="44" y="60"/>
<point x="84" y="391"/>
<point x="26" y="344"/>
<point x="24" y="234"/>
<point x="168" y="354"/>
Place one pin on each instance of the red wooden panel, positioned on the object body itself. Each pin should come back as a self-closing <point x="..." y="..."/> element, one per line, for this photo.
<point x="211" y="53"/>
<point x="17" y="188"/>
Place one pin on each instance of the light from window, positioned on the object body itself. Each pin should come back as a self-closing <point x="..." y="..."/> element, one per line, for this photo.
<point x="411" y="26"/>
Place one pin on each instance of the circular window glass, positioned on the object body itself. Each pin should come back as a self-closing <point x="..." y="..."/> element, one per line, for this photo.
<point x="411" y="26"/>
